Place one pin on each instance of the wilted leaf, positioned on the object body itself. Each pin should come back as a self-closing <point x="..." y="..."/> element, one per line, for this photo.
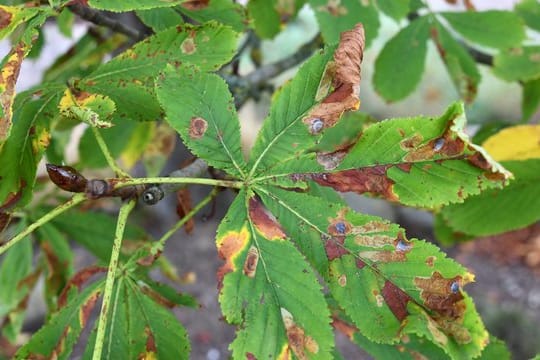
<point x="127" y="5"/>
<point x="140" y="327"/>
<point x="57" y="337"/>
<point x="128" y="79"/>
<point x="268" y="289"/>
<point x="206" y="118"/>
<point x="519" y="142"/>
<point x="499" y="210"/>
<point x="460" y="64"/>
<point x="335" y="17"/>
<point x="393" y="80"/>
<point x="520" y="63"/>
<point x="485" y="27"/>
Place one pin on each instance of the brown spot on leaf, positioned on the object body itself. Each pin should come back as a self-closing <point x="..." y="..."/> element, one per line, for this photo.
<point x="396" y="299"/>
<point x="360" y="264"/>
<point x="149" y="259"/>
<point x="299" y="342"/>
<point x="150" y="341"/>
<point x="195" y="4"/>
<point x="230" y="245"/>
<point x="447" y="145"/>
<point x="374" y="240"/>
<point x="342" y="280"/>
<point x="412" y="142"/>
<point x="264" y="221"/>
<point x="370" y="179"/>
<point x="345" y="328"/>
<point x="442" y="295"/>
<point x="383" y="256"/>
<point x="188" y="46"/>
<point x="331" y="160"/>
<point x="86" y="309"/>
<point x="430" y="261"/>
<point x="197" y="127"/>
<point x="250" y="265"/>
<point x="334" y="246"/>
<point x="5" y="18"/>
<point x="67" y="178"/>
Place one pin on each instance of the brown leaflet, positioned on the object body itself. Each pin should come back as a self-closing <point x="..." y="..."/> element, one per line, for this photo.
<point x="8" y="77"/>
<point x="252" y="259"/>
<point x="442" y="295"/>
<point x="197" y="127"/>
<point x="264" y="221"/>
<point x="396" y="300"/>
<point x="183" y="207"/>
<point x="87" y="307"/>
<point x="78" y="280"/>
<point x="230" y="245"/>
<point x="299" y="342"/>
<point x="369" y="179"/>
<point x="346" y="82"/>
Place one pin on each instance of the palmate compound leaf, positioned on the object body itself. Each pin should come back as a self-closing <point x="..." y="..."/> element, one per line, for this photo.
<point x="205" y="117"/>
<point x="388" y="285"/>
<point x="128" y="79"/>
<point x="268" y="289"/>
<point x="423" y="162"/>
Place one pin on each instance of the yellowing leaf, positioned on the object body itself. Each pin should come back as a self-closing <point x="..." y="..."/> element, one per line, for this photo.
<point x="520" y="142"/>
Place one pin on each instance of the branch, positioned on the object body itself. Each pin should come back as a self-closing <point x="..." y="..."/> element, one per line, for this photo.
<point x="99" y="18"/>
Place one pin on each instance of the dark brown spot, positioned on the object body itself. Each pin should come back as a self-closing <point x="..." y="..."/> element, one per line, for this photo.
<point x="360" y="264"/>
<point x="430" y="260"/>
<point x="188" y="46"/>
<point x="396" y="299"/>
<point x="195" y="4"/>
<point x="197" y="127"/>
<point x="229" y="247"/>
<point x="334" y="246"/>
<point x="264" y="221"/>
<point x="86" y="309"/>
<point x="438" y="295"/>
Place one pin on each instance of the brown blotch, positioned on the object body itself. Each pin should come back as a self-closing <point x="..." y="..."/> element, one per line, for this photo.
<point x="67" y="178"/>
<point x="343" y="327"/>
<point x="396" y="299"/>
<point x="250" y="265"/>
<point x="299" y="342"/>
<point x="149" y="259"/>
<point x="229" y="246"/>
<point x="87" y="307"/>
<point x="188" y="46"/>
<point x="78" y="280"/>
<point x="430" y="261"/>
<point x="195" y="4"/>
<point x="11" y="71"/>
<point x="5" y="18"/>
<point x="375" y="240"/>
<point x="360" y="264"/>
<point x="264" y="221"/>
<point x="331" y="160"/>
<point x="197" y="127"/>
<point x="150" y="341"/>
<point x="370" y="179"/>
<point x="436" y="291"/>
<point x="334" y="246"/>
<point x="5" y="218"/>
<point x="447" y="145"/>
<point x="383" y="256"/>
<point x="412" y="142"/>
<point x="406" y="167"/>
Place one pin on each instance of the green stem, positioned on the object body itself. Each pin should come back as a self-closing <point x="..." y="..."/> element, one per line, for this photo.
<point x="108" y="156"/>
<point x="42" y="220"/>
<point x="111" y="274"/>
<point x="179" y="180"/>
<point x="161" y="242"/>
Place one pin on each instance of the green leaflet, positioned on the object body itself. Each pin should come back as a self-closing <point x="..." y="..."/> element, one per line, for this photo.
<point x="13" y="16"/>
<point x="530" y="99"/>
<point x="374" y="271"/>
<point x="268" y="289"/>
<point x="460" y="64"/>
<point x="127" y="5"/>
<point x="529" y="10"/>
<point x="160" y="19"/>
<point x="500" y="210"/>
<point x="395" y="81"/>
<point x="206" y="117"/>
<point x="334" y="17"/>
<point x="486" y="27"/>
<point x="396" y="9"/>
<point x="226" y="12"/>
<point x="518" y="64"/>
<point x="496" y="349"/>
<point x="423" y="162"/>
<point x="140" y="328"/>
<point x="269" y="15"/>
<point x="20" y="154"/>
<point x="128" y="78"/>
<point x="57" y="337"/>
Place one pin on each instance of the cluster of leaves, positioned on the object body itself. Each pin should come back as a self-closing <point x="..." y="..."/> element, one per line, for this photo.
<point x="298" y="262"/>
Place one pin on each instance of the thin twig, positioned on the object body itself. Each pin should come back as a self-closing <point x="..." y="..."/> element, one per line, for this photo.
<point x="78" y="198"/>
<point x="99" y="18"/>
<point x="111" y="274"/>
<point x="108" y="156"/>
